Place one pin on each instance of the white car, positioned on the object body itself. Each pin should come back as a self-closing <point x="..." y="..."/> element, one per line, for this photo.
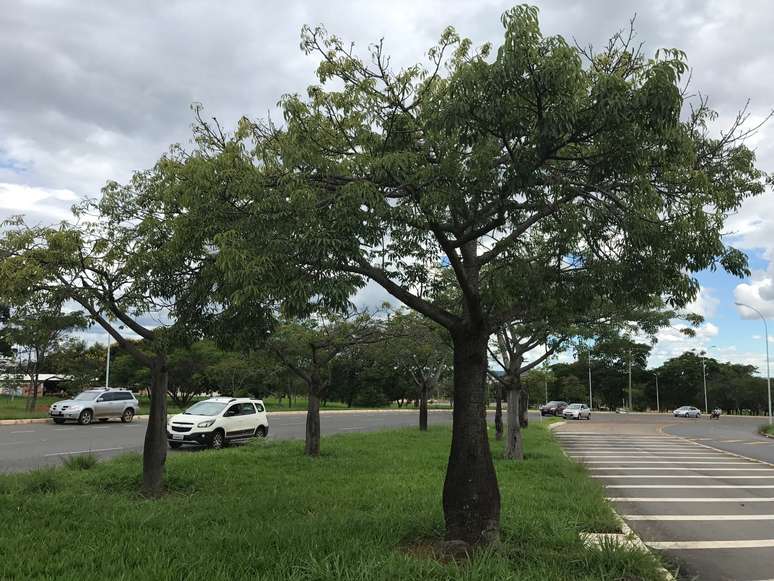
<point x="687" y="411"/>
<point x="577" y="411"/>
<point x="216" y="421"/>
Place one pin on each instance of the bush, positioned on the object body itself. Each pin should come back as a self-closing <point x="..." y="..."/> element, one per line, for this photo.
<point x="81" y="462"/>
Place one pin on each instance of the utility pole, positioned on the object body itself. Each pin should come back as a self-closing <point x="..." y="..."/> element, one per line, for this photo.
<point x="590" y="399"/>
<point x="630" y="380"/>
<point x="658" y="405"/>
<point x="704" y="378"/>
<point x="107" y="366"/>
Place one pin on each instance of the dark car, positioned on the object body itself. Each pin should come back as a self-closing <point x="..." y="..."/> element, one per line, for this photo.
<point x="553" y="408"/>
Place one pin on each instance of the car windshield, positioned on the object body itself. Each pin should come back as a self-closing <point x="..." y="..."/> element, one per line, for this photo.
<point x="553" y="403"/>
<point x="575" y="406"/>
<point x="205" y="408"/>
<point x="87" y="395"/>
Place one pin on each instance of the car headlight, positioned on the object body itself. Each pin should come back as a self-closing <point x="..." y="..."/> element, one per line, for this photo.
<point x="205" y="424"/>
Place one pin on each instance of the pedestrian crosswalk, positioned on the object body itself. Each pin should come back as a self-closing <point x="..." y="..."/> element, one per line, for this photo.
<point x="685" y="498"/>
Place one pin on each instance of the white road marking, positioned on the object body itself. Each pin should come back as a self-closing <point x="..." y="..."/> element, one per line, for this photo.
<point x="355" y="428"/>
<point x="643" y="456"/>
<point x="726" y="462"/>
<point x="681" y="476"/>
<point x="730" y="441"/>
<point x="698" y="517"/>
<point x="23" y="432"/>
<point x="630" y="468"/>
<point x="673" y="545"/>
<point x="689" y="499"/>
<point x="671" y="486"/>
<point x="84" y="451"/>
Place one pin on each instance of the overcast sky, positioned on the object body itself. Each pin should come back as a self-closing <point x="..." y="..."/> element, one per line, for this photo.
<point x="91" y="91"/>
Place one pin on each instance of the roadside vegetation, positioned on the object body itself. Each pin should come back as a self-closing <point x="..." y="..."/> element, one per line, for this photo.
<point x="767" y="430"/>
<point x="368" y="508"/>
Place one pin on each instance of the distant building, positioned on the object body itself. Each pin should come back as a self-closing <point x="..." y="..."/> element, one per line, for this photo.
<point x="21" y="385"/>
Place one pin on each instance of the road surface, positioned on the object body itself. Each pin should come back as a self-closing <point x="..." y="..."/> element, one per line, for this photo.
<point x="701" y="491"/>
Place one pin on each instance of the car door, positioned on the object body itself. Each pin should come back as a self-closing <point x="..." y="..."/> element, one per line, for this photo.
<point x="249" y="419"/>
<point x="102" y="405"/>
<point x="231" y="420"/>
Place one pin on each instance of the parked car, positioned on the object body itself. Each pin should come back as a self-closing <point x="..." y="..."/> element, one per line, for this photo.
<point x="217" y="421"/>
<point x="687" y="411"/>
<point x="553" y="408"/>
<point x="98" y="403"/>
<point x="577" y="411"/>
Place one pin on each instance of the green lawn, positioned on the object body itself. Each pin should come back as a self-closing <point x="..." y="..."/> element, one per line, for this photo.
<point x="767" y="429"/>
<point x="366" y="510"/>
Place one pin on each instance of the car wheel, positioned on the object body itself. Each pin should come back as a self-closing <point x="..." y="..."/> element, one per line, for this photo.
<point x="85" y="418"/>
<point x="58" y="421"/>
<point x="260" y="432"/>
<point x="218" y="440"/>
<point x="175" y="445"/>
<point x="127" y="416"/>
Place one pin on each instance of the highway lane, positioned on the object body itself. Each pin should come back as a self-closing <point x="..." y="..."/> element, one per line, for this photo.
<point x="29" y="446"/>
<point x="709" y="510"/>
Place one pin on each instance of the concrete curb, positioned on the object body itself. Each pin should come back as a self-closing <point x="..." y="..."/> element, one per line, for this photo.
<point x="24" y="421"/>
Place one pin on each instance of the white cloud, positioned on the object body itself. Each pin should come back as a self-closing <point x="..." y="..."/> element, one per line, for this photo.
<point x="49" y="203"/>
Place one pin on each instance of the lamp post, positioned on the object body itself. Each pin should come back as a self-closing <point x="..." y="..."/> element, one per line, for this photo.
<point x="590" y="399"/>
<point x="704" y="379"/>
<point x="658" y="404"/>
<point x="107" y="365"/>
<point x="766" y="342"/>
<point x="630" y="380"/>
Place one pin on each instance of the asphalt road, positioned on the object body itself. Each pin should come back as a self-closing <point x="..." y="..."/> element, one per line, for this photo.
<point x="29" y="446"/>
<point x="683" y="486"/>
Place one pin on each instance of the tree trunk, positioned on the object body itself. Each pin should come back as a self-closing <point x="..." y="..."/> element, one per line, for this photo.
<point x="154" y="454"/>
<point x="32" y="400"/>
<point x="471" y="499"/>
<point x="423" y="408"/>
<point x="523" y="407"/>
<point x="498" y="419"/>
<point x="514" y="445"/>
<point x="312" y="440"/>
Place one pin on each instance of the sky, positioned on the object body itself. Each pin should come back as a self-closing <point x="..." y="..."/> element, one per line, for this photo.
<point x="93" y="91"/>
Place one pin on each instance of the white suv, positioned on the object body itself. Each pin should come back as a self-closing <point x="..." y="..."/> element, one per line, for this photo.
<point x="218" y="420"/>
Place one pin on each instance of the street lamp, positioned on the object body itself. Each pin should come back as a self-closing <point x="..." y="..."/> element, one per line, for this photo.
<point x="630" y="380"/>
<point x="107" y="365"/>
<point x="589" y="358"/>
<point x="766" y="341"/>
<point x="658" y="405"/>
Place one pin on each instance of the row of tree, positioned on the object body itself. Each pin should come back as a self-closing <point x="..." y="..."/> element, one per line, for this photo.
<point x="734" y="388"/>
<point x="542" y="191"/>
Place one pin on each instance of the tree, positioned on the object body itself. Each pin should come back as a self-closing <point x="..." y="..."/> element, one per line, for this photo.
<point x="540" y="158"/>
<point x="37" y="328"/>
<point x="83" y="365"/>
<point x="308" y="349"/>
<point x="421" y="349"/>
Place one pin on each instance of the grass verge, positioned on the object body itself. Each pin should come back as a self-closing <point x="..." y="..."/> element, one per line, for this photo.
<point x="263" y="511"/>
<point x="766" y="430"/>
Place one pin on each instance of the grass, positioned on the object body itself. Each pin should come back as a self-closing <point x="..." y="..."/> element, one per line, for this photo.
<point x="766" y="429"/>
<point x="366" y="510"/>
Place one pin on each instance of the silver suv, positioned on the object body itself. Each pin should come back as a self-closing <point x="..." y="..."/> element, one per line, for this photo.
<point x="96" y="404"/>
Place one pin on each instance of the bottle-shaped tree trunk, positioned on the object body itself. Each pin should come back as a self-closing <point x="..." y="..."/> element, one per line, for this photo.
<point x="471" y="498"/>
